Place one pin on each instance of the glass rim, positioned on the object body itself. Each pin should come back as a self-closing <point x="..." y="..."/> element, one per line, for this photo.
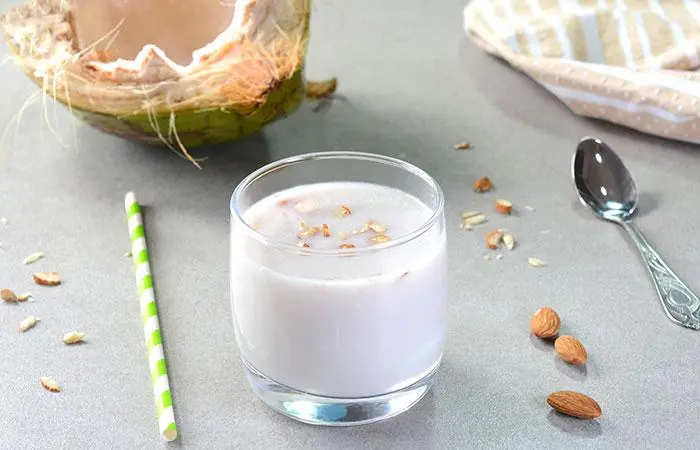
<point x="348" y="155"/>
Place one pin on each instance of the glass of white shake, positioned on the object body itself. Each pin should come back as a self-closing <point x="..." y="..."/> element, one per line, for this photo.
<point x="339" y="285"/>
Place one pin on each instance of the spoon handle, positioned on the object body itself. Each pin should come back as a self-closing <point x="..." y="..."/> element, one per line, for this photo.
<point x="682" y="306"/>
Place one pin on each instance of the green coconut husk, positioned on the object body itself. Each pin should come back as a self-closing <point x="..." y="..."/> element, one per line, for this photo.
<point x="243" y="81"/>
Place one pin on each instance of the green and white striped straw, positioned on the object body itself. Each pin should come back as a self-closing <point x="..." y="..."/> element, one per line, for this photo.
<point x="149" y="317"/>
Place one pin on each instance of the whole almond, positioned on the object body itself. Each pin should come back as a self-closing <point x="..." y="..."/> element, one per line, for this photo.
<point x="571" y="350"/>
<point x="574" y="404"/>
<point x="545" y="323"/>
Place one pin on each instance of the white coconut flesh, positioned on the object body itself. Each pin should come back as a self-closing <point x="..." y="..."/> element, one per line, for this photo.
<point x="108" y="54"/>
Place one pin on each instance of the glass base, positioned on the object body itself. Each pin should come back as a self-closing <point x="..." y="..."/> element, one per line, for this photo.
<point x="333" y="411"/>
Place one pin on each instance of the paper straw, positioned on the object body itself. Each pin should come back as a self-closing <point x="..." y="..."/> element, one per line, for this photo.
<point x="149" y="317"/>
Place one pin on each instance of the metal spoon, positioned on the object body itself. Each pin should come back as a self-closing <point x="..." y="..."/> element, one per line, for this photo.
<point x="606" y="186"/>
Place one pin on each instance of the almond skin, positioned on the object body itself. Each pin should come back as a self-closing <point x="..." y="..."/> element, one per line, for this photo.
<point x="483" y="184"/>
<point x="8" y="296"/>
<point x="574" y="404"/>
<point x="493" y="239"/>
<point x="545" y="323"/>
<point x="571" y="350"/>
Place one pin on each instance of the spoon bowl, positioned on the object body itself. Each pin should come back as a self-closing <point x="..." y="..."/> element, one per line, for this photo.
<point x="603" y="182"/>
<point x="607" y="187"/>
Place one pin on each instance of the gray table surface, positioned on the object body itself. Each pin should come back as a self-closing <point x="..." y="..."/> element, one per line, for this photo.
<point x="413" y="87"/>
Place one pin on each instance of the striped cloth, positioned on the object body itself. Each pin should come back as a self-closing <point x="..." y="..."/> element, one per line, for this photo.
<point x="629" y="62"/>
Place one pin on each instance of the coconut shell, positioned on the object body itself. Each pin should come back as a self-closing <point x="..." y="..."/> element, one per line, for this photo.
<point x="224" y="99"/>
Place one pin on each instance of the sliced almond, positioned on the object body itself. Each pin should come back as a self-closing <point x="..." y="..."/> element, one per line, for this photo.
<point x="49" y="384"/>
<point x="364" y="229"/>
<point x="343" y="211"/>
<point x="317" y="90"/>
<point x="509" y="241"/>
<point x="467" y="214"/>
<point x="503" y="206"/>
<point x="47" y="278"/>
<point x="483" y="184"/>
<point x="326" y="230"/>
<point x="8" y="296"/>
<point x="73" y="337"/>
<point x="309" y="232"/>
<point x="374" y="226"/>
<point x="346" y="246"/>
<point x="463" y="146"/>
<point x="379" y="239"/>
<point x="307" y="206"/>
<point x="534" y="262"/>
<point x="493" y="239"/>
<point x="476" y="219"/>
<point x="23" y="297"/>
<point x="34" y="257"/>
<point x="28" y="323"/>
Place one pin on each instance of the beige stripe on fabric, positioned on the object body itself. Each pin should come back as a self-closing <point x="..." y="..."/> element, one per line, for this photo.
<point x="549" y="5"/>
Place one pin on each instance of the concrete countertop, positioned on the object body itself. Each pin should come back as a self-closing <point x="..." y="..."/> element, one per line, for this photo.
<point x="412" y="86"/>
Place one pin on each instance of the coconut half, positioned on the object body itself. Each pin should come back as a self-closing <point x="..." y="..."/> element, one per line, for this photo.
<point x="179" y="72"/>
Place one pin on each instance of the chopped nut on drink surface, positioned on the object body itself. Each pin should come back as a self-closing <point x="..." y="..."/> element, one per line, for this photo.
<point x="374" y="226"/>
<point x="303" y="244"/>
<point x="343" y="211"/>
<point x="47" y="278"/>
<point x="49" y="384"/>
<point x="346" y="246"/>
<point x="483" y="184"/>
<point x="309" y="232"/>
<point x="504" y="206"/>
<point x="326" y="230"/>
<point x="379" y="239"/>
<point x="8" y="296"/>
<point x="307" y="206"/>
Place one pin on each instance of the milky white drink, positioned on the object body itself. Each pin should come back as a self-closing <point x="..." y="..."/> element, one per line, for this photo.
<point x="365" y="318"/>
